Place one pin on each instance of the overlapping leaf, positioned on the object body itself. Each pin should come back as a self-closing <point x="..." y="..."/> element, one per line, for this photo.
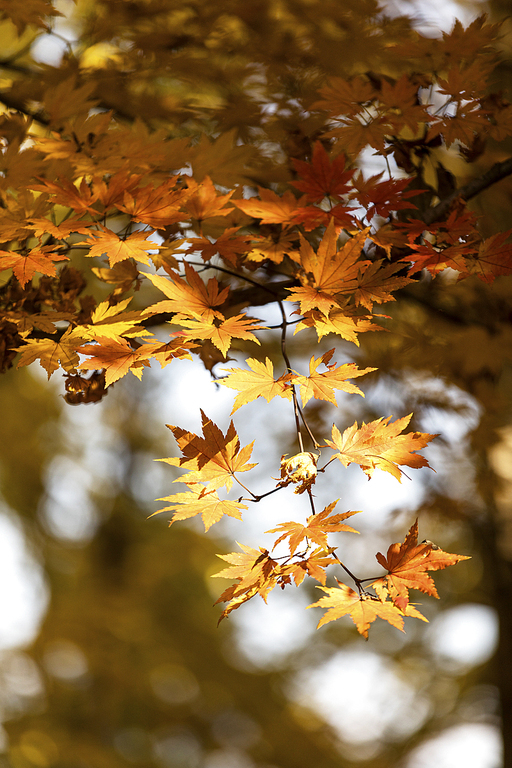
<point x="408" y="565"/>
<point x="379" y="444"/>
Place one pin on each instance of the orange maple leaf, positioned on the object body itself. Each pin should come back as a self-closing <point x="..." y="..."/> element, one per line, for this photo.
<point x="39" y="259"/>
<point x="204" y="201"/>
<point x="258" y="382"/>
<point x="269" y="207"/>
<point x="116" y="357"/>
<point x="80" y="198"/>
<point x="135" y="246"/>
<point x="380" y="445"/>
<point x="376" y="283"/>
<point x="227" y="246"/>
<point x="327" y="272"/>
<point x="407" y="565"/>
<point x="363" y="609"/>
<point x="321" y="386"/>
<point x="188" y="299"/>
<point x="157" y="206"/>
<point x="317" y="528"/>
<point x="213" y="458"/>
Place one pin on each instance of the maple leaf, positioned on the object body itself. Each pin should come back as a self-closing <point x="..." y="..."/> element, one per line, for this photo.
<point x="80" y="198"/>
<point x="494" y="258"/>
<point x="204" y="201"/>
<point x="135" y="246"/>
<point x="227" y="246"/>
<point x="380" y="198"/>
<point x="116" y="357"/>
<point x="258" y="382"/>
<point x="255" y="572"/>
<point x="407" y="565"/>
<point x="157" y="206"/>
<point x="201" y="501"/>
<point x="327" y="272"/>
<point x="322" y="177"/>
<point x="363" y="609"/>
<point x="188" y="299"/>
<point x="270" y="208"/>
<point x="274" y="248"/>
<point x="39" y="259"/>
<point x="321" y="386"/>
<point x="213" y="458"/>
<point x="52" y="353"/>
<point x="343" y="323"/>
<point x="220" y="331"/>
<point x="376" y="283"/>
<point x="380" y="445"/>
<point x="111" y="322"/>
<point x="315" y="566"/>
<point x="345" y="97"/>
<point x="317" y="528"/>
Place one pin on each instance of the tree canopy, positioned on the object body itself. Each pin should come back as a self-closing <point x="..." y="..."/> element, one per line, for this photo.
<point x="182" y="168"/>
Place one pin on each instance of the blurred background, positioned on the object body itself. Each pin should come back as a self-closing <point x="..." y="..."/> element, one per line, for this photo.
<point x="110" y="654"/>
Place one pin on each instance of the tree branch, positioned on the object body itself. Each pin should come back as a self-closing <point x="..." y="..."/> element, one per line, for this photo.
<point x="497" y="172"/>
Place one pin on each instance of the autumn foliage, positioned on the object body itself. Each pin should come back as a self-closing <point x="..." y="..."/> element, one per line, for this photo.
<point x="112" y="228"/>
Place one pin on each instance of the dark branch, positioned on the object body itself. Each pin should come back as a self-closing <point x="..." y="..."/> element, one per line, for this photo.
<point x="496" y="173"/>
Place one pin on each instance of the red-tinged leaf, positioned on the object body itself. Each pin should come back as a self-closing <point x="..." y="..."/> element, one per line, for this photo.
<point x="258" y="382"/>
<point x="322" y="177"/>
<point x="379" y="444"/>
<point x="407" y="565"/>
<point x="321" y="386"/>
<point x="327" y="272"/>
<point x="363" y="609"/>
<point x="269" y="207"/>
<point x="200" y="501"/>
<point x="381" y="198"/>
<point x="220" y="332"/>
<point x="312" y="217"/>
<point x="135" y="246"/>
<point x="188" y="299"/>
<point x="494" y="258"/>
<point x="317" y="528"/>
<point x="40" y="259"/>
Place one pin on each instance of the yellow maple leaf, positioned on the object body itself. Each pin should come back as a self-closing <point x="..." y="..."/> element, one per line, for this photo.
<point x="258" y="382"/>
<point x="200" y="501"/>
<point x="321" y="386"/>
<point x="379" y="444"/>
<point x="51" y="353"/>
